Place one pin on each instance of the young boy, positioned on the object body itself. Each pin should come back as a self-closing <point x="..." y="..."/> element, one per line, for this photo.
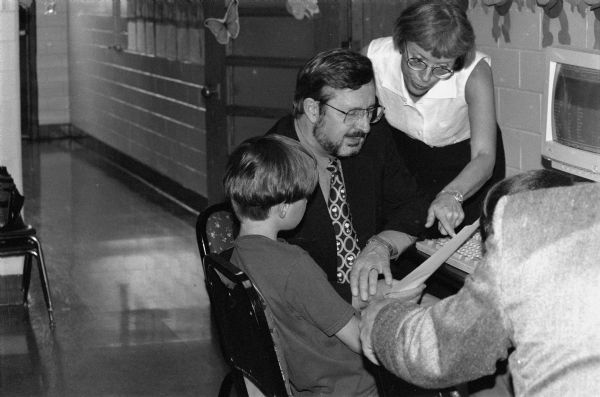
<point x="268" y="181"/>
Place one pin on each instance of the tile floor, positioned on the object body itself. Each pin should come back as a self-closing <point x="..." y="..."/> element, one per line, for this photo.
<point x="132" y="315"/>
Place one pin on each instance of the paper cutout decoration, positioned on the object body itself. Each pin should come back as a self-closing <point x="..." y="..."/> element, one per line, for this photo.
<point x="546" y="3"/>
<point x="592" y="3"/>
<point x="496" y="3"/>
<point x="302" y="8"/>
<point x="554" y="9"/>
<point x="500" y="18"/>
<point x="227" y="27"/>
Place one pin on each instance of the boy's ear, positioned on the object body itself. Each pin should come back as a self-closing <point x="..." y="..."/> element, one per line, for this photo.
<point x="311" y="109"/>
<point x="282" y="209"/>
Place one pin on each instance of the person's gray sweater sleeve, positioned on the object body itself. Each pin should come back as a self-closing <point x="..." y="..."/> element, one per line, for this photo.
<point x="458" y="339"/>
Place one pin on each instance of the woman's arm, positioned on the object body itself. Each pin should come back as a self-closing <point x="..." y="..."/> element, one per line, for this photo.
<point x="479" y="93"/>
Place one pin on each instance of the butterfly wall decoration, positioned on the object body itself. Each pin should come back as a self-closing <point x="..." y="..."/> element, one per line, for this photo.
<point x="227" y="27"/>
<point x="302" y="8"/>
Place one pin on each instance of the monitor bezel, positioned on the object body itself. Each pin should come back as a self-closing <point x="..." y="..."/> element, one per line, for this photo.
<point x="574" y="161"/>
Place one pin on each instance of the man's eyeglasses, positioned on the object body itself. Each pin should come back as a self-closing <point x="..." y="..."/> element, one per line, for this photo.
<point x="441" y="72"/>
<point x="373" y="114"/>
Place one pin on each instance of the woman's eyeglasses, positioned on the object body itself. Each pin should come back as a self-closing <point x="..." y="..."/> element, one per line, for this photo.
<point x="417" y="64"/>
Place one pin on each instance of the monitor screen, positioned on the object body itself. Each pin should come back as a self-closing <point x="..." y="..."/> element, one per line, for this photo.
<point x="572" y="122"/>
<point x="576" y="114"/>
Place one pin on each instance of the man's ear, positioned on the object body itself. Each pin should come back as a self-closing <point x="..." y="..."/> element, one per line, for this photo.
<point x="311" y="109"/>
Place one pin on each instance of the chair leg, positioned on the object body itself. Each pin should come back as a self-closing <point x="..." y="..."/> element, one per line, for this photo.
<point x="26" y="279"/>
<point x="44" y="280"/>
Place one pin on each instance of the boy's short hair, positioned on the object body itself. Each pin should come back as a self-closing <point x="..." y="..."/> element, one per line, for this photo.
<point x="268" y="170"/>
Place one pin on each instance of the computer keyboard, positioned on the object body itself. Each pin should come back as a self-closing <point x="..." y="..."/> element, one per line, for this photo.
<point x="465" y="258"/>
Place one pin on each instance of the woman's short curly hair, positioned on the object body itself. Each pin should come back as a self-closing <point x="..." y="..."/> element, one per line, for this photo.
<point x="438" y="26"/>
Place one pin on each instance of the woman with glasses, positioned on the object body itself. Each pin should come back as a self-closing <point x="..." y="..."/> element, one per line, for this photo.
<point x="438" y="95"/>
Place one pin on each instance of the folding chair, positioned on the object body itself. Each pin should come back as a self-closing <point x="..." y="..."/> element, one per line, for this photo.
<point x="216" y="228"/>
<point x="248" y="338"/>
<point x="19" y="239"/>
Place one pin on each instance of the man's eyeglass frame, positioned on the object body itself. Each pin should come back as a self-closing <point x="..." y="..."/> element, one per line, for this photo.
<point x="419" y="65"/>
<point x="375" y="113"/>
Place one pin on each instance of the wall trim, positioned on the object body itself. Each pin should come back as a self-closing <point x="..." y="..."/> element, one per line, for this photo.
<point x="189" y="198"/>
<point x="55" y="131"/>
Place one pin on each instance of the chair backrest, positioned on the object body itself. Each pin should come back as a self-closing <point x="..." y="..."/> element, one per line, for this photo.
<point x="248" y="337"/>
<point x="216" y="228"/>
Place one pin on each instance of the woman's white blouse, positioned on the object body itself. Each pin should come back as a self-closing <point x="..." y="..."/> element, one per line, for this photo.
<point x="440" y="117"/>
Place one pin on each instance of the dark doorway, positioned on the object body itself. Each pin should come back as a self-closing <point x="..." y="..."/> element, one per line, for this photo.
<point x="28" y="71"/>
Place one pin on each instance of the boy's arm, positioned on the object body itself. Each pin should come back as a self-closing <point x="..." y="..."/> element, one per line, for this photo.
<point x="350" y="335"/>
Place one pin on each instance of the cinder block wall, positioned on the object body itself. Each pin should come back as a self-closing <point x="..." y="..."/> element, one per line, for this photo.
<point x="516" y="41"/>
<point x="146" y="107"/>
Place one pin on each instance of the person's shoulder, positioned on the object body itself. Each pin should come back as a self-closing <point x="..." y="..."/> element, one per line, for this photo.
<point x="481" y="55"/>
<point x="284" y="126"/>
<point x="380" y="45"/>
<point x="298" y="256"/>
<point x="379" y="148"/>
<point x="477" y="58"/>
<point x="379" y="138"/>
<point x="276" y="255"/>
<point x="294" y="250"/>
<point x="256" y="242"/>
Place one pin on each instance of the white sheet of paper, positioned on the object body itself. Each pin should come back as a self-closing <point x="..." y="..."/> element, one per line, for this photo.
<point x="427" y="268"/>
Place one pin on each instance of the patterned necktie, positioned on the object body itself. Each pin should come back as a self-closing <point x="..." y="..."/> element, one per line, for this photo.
<point x="339" y="212"/>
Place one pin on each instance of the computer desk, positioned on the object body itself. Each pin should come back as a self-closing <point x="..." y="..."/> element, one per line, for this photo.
<point x="446" y="281"/>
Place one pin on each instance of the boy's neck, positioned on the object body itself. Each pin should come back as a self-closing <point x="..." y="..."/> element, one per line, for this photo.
<point x="260" y="228"/>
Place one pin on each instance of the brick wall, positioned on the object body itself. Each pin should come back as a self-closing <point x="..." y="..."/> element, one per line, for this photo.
<point x="516" y="42"/>
<point x="146" y="107"/>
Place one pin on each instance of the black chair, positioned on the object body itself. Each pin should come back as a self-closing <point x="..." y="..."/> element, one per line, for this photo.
<point x="249" y="341"/>
<point x="20" y="239"/>
<point x="216" y="228"/>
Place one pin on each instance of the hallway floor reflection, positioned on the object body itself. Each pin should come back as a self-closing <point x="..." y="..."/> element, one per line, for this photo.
<point x="132" y="315"/>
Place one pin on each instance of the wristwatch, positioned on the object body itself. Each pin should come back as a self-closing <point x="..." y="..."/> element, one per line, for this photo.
<point x="457" y="195"/>
<point x="394" y="254"/>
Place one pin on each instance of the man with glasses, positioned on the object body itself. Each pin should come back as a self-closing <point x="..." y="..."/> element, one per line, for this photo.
<point x="366" y="209"/>
<point x="439" y="98"/>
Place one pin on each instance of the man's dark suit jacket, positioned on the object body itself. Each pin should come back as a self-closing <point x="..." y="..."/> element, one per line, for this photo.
<point x="381" y="193"/>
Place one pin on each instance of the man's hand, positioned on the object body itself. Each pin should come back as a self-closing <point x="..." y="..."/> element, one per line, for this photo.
<point x="448" y="211"/>
<point x="373" y="260"/>
<point x="369" y="314"/>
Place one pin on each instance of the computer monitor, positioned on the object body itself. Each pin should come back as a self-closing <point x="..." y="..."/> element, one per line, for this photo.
<point x="572" y="103"/>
